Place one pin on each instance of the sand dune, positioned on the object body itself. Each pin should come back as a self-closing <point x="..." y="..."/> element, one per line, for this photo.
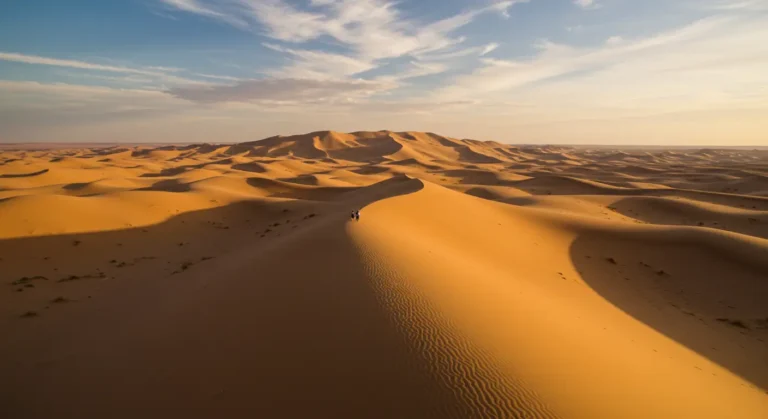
<point x="483" y="280"/>
<point x="468" y="268"/>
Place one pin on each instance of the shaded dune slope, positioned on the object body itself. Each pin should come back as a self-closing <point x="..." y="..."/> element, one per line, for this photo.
<point x="326" y="334"/>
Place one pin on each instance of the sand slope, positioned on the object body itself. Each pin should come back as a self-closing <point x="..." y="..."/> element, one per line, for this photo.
<point x="522" y="297"/>
<point x="483" y="280"/>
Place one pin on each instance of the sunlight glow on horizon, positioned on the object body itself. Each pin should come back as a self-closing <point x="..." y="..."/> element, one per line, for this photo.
<point x="560" y="72"/>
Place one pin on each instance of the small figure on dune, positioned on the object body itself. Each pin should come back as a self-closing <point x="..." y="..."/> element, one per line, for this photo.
<point x="357" y="215"/>
<point x="353" y="214"/>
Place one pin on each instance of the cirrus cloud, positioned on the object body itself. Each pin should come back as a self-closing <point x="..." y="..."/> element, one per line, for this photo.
<point x="283" y="90"/>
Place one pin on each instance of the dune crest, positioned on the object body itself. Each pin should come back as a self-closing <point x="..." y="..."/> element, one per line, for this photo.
<point x="482" y="280"/>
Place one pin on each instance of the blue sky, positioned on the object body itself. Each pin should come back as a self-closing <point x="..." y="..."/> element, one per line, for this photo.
<point x="536" y="71"/>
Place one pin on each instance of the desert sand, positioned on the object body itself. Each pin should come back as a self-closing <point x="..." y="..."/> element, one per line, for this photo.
<point x="482" y="280"/>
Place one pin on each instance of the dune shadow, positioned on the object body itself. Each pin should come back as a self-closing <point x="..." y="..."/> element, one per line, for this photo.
<point x="101" y="152"/>
<point x="555" y="184"/>
<point x="254" y="167"/>
<point x="167" y="172"/>
<point x="660" y="210"/>
<point x="168" y="185"/>
<point x="297" y="190"/>
<point x="274" y="326"/>
<point x="407" y="136"/>
<point x="76" y="186"/>
<point x="369" y="150"/>
<point x="465" y="153"/>
<point x="173" y="171"/>
<point x="414" y="163"/>
<point x="690" y="286"/>
<point x="396" y="186"/>
<point x="719" y="198"/>
<point x="310" y="180"/>
<point x="147" y="151"/>
<point x="19" y="175"/>
<point x="369" y="170"/>
<point x="4" y="162"/>
<point x="477" y="177"/>
<point x="483" y="193"/>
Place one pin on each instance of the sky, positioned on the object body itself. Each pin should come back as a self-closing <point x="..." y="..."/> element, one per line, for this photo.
<point x="660" y="72"/>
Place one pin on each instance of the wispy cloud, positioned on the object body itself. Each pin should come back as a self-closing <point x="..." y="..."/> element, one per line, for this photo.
<point x="489" y="48"/>
<point x="710" y="62"/>
<point x="22" y="102"/>
<point x="199" y="8"/>
<point x="165" y="69"/>
<point x="417" y="69"/>
<point x="371" y="30"/>
<point x="319" y="64"/>
<point x="372" y="34"/>
<point x="63" y="88"/>
<point x="159" y="74"/>
<point x="129" y="80"/>
<point x="735" y="5"/>
<point x="281" y="90"/>
<point x="374" y="29"/>
<point x="34" y="59"/>
<point x="587" y="4"/>
<point x="156" y="74"/>
<point x="215" y="77"/>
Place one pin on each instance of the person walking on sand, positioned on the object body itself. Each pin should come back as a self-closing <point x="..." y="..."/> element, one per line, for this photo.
<point x="357" y="215"/>
<point x="353" y="214"/>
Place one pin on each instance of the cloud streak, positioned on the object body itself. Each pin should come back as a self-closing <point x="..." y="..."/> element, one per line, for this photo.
<point x="714" y="63"/>
<point x="736" y="5"/>
<point x="587" y="4"/>
<point x="318" y="64"/>
<point x="160" y="74"/>
<point x="373" y="28"/>
<point x="489" y="48"/>
<point x="372" y="31"/>
<point x="285" y="90"/>
<point x="34" y="59"/>
<point x="199" y="8"/>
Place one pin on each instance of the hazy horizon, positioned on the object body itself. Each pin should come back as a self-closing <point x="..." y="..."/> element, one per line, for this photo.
<point x="564" y="72"/>
<point x="44" y="145"/>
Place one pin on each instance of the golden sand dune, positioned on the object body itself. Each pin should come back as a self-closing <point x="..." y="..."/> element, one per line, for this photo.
<point x="482" y="280"/>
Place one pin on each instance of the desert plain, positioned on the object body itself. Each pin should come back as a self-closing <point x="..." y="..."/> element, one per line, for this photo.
<point x="482" y="280"/>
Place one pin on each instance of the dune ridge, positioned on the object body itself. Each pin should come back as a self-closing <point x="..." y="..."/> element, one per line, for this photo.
<point x="482" y="280"/>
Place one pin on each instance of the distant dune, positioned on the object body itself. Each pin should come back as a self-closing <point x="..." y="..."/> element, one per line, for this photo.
<point x="482" y="280"/>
